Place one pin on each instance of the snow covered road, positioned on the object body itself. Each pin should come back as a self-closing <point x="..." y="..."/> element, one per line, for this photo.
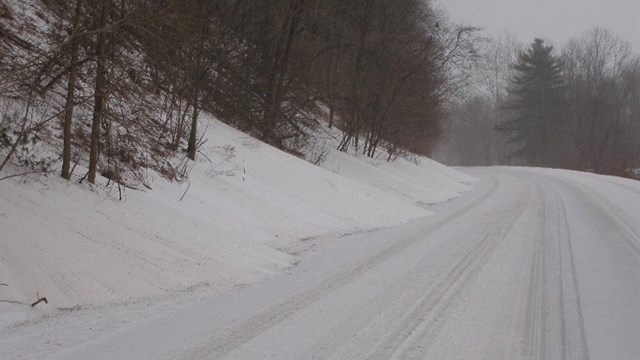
<point x="534" y="264"/>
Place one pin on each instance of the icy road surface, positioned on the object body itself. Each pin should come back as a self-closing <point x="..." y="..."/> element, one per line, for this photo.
<point x="534" y="264"/>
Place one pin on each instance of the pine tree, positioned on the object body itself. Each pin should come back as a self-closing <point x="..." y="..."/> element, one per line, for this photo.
<point x="537" y="129"/>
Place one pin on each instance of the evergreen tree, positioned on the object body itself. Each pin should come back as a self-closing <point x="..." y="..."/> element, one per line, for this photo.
<point x="537" y="130"/>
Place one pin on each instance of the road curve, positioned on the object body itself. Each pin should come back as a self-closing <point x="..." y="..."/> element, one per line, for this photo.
<point x="534" y="264"/>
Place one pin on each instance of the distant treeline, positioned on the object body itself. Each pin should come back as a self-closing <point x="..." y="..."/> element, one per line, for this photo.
<point x="576" y="108"/>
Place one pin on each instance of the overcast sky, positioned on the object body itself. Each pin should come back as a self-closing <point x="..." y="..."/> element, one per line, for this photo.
<point x="555" y="20"/>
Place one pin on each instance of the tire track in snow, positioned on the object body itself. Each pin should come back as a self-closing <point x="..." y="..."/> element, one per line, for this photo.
<point x="420" y="322"/>
<point x="228" y="339"/>
<point x="351" y="338"/>
<point x="554" y="321"/>
<point x="574" y="340"/>
<point x="609" y="211"/>
<point x="597" y="268"/>
<point x="533" y="345"/>
<point x="618" y="184"/>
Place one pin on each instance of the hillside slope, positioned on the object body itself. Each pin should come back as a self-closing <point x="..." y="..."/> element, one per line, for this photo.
<point x="244" y="213"/>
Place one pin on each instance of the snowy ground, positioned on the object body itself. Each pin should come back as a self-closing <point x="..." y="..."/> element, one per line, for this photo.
<point x="247" y="212"/>
<point x="243" y="214"/>
<point x="533" y="264"/>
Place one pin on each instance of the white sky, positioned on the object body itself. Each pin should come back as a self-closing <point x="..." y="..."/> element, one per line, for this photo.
<point x="553" y="20"/>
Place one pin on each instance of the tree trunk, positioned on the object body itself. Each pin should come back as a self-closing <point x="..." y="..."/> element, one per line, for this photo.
<point x="71" y="88"/>
<point x="181" y="118"/>
<point x="198" y="76"/>
<point x="278" y="68"/>
<point x="331" y="113"/>
<point x="193" y="135"/>
<point x="99" y="97"/>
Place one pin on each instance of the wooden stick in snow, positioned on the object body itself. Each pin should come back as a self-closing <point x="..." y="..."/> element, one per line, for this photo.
<point x="40" y="299"/>
<point x="185" y="192"/>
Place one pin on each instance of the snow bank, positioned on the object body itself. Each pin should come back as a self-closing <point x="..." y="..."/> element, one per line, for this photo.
<point x="245" y="207"/>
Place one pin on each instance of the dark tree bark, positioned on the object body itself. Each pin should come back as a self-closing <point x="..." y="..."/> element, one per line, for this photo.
<point x="198" y="78"/>
<point x="71" y="87"/>
<point x="100" y="95"/>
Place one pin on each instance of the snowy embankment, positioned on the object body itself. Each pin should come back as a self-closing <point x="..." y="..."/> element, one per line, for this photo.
<point x="244" y="213"/>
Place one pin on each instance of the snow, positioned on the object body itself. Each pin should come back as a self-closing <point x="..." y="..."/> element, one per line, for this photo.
<point x="88" y="252"/>
<point x="262" y="254"/>
<point x="79" y="247"/>
<point x="533" y="263"/>
<point x="357" y="258"/>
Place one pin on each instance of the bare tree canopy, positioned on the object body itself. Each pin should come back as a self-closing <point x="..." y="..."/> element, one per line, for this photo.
<point x="118" y="86"/>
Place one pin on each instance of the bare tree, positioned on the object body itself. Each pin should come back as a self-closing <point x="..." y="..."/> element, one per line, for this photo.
<point x="100" y="95"/>
<point x="598" y="75"/>
<point x="71" y="88"/>
<point x="470" y="138"/>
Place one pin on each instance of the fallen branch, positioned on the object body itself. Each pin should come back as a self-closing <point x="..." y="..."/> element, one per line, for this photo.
<point x="205" y="156"/>
<point x="26" y="173"/>
<point x="185" y="192"/>
<point x="82" y="178"/>
<point x="40" y="299"/>
<point x="3" y="284"/>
